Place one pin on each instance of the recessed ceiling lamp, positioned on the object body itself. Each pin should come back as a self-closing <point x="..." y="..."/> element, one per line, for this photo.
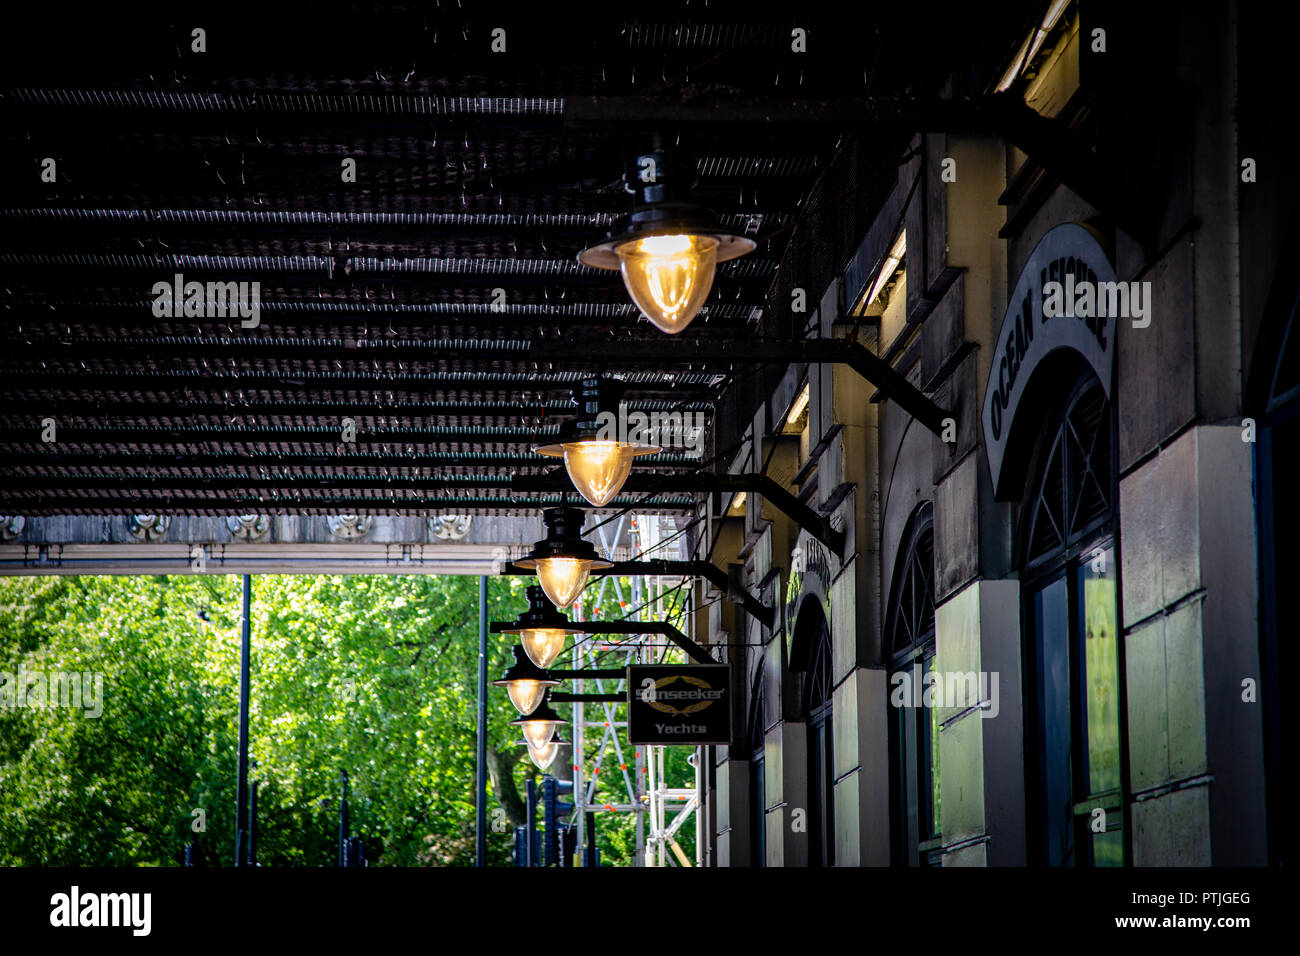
<point x="539" y="725"/>
<point x="542" y="630"/>
<point x="597" y="463"/>
<point x="525" y="682"/>
<point x="667" y="248"/>
<point x="562" y="560"/>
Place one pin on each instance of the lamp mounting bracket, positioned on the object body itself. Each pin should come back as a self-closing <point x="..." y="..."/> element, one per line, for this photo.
<point x="699" y="569"/>
<point x="816" y="524"/>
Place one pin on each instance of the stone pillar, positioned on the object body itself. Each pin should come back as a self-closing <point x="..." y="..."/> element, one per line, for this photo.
<point x="785" y="760"/>
<point x="981" y="772"/>
<point x="732" y="804"/>
<point x="1196" y="767"/>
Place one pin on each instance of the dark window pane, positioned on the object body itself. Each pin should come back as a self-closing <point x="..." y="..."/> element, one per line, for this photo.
<point x="828" y="793"/>
<point x="1286" y="377"/>
<point x="1052" y="628"/>
<point x="1090" y="472"/>
<point x="818" y="809"/>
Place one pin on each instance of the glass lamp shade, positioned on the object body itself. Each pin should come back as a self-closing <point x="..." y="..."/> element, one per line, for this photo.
<point x="563" y="579"/>
<point x="598" y="468"/>
<point x="526" y="694"/>
<point x="525" y="682"/>
<point x="542" y="757"/>
<point x="669" y="277"/>
<point x="542" y="645"/>
<point x="539" y="726"/>
<point x="538" y="733"/>
<point x="562" y="561"/>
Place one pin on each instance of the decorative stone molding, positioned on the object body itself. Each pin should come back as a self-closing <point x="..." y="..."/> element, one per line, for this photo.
<point x="450" y="527"/>
<point x="350" y="527"/>
<point x="248" y="527"/>
<point x="149" y="527"/>
<point x="11" y="526"/>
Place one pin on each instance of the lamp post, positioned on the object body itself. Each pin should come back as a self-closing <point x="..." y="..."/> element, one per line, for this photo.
<point x="241" y="778"/>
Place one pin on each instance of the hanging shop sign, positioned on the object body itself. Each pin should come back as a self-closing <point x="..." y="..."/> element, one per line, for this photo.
<point x="679" y="704"/>
<point x="1066" y="298"/>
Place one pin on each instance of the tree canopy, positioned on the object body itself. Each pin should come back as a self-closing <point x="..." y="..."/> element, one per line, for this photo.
<point x="372" y="674"/>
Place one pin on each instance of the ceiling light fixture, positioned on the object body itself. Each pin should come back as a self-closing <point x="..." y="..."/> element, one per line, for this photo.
<point x="525" y="682"/>
<point x="562" y="560"/>
<point x="542" y="629"/>
<point x="667" y="248"/>
<point x="598" y="463"/>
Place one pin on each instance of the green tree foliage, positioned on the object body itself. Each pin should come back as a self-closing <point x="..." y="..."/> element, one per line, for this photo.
<point x="372" y="674"/>
<point x="117" y="789"/>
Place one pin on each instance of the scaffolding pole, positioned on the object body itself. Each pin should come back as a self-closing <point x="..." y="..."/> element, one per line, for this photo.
<point x="647" y="794"/>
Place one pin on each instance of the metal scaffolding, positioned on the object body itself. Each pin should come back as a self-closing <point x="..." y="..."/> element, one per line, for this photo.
<point x="644" y="783"/>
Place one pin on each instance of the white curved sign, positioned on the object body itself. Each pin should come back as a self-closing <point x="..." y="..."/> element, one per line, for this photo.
<point x="1066" y="297"/>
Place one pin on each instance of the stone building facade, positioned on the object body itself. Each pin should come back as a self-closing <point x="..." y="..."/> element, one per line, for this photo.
<point x="1082" y="570"/>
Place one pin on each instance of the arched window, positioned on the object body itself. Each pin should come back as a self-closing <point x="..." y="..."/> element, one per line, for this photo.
<point x="1069" y="581"/>
<point x="1074" y="493"/>
<point x="757" y="774"/>
<point x="914" y="729"/>
<point x="811" y="654"/>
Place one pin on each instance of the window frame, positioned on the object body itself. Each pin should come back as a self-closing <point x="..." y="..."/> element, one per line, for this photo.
<point x="912" y="753"/>
<point x="1037" y="573"/>
<point x="816" y="706"/>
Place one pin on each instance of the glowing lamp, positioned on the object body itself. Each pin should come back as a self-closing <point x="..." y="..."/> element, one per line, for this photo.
<point x="669" y="277"/>
<point x="667" y="249"/>
<point x="541" y="629"/>
<point x="595" y="452"/>
<point x="525" y="682"/>
<point x="562" y="560"/>
<point x="542" y="757"/>
<point x="539" y="725"/>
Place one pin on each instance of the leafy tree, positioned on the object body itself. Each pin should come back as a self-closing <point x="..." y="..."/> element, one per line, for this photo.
<point x="372" y="674"/>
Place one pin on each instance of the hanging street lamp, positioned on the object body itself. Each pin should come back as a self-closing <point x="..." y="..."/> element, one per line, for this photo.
<point x="597" y="461"/>
<point x="667" y="248"/>
<point x="542" y="629"/>
<point x="525" y="682"/>
<point x="563" y="560"/>
<point x="542" y="757"/>
<point x="539" y="725"/>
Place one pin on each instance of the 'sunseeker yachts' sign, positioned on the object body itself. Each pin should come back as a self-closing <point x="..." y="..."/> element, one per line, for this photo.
<point x="1066" y="298"/>
<point x="679" y="704"/>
